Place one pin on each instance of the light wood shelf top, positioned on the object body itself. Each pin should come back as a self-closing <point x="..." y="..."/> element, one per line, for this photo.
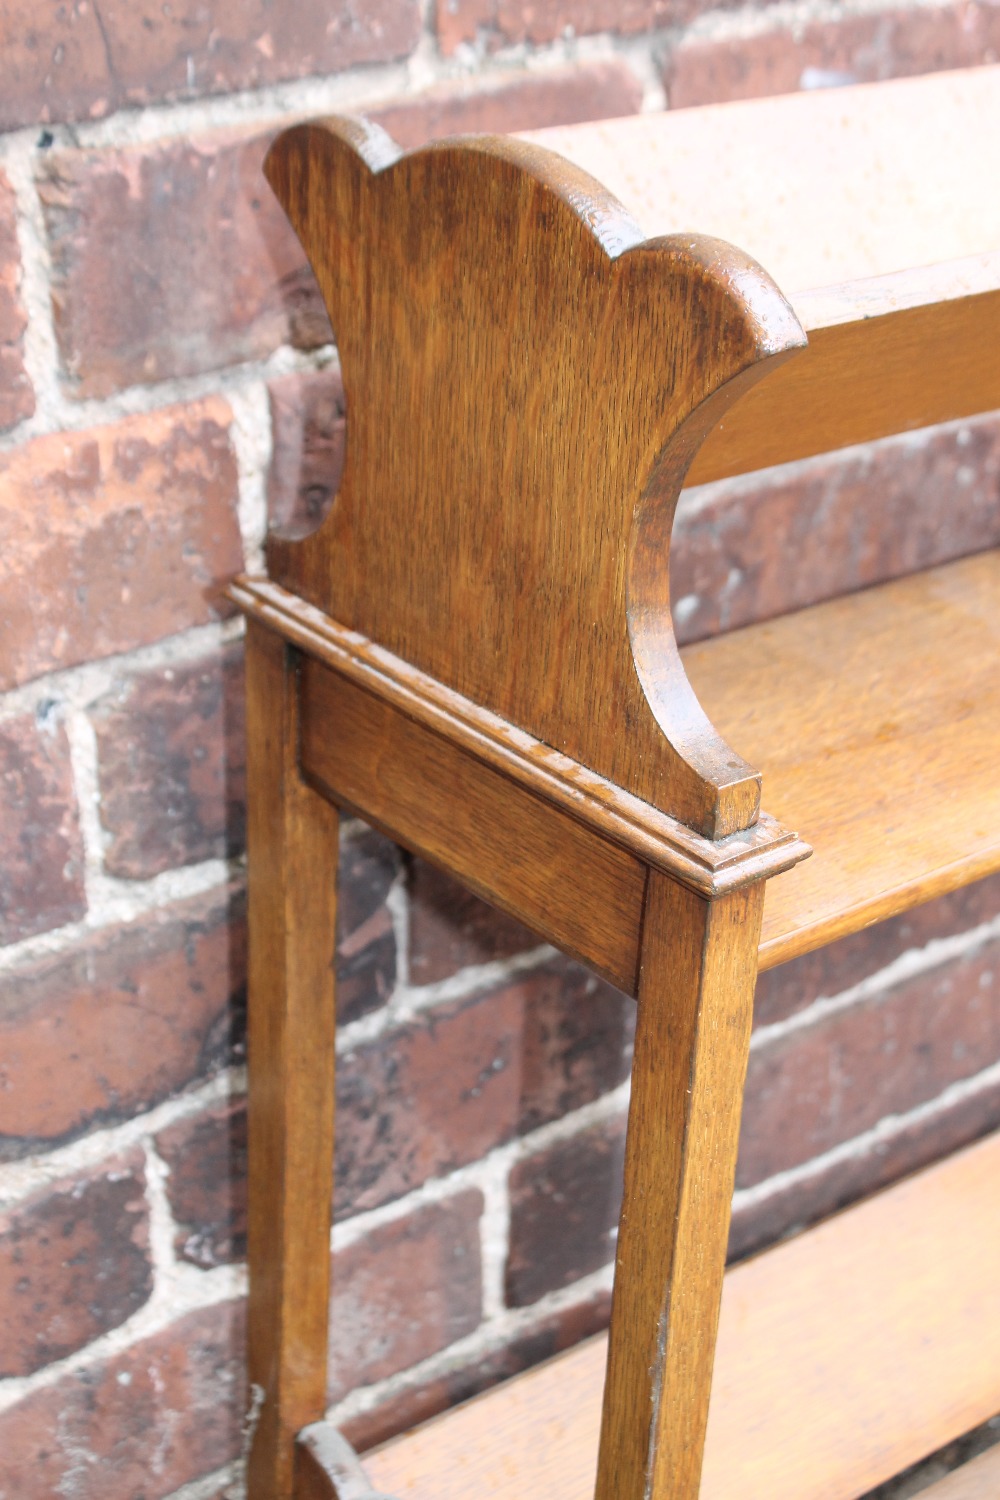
<point x="843" y="1355"/>
<point x="875" y="720"/>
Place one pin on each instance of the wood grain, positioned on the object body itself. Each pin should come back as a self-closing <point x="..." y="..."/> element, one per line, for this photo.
<point x="844" y="1355"/>
<point x="292" y="843"/>
<point x="875" y="720"/>
<point x="509" y="846"/>
<point x="515" y="546"/>
<point x="977" y="1480"/>
<point x="689" y="1065"/>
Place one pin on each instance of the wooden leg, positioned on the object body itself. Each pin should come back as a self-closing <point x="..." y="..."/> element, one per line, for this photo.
<point x="292" y="838"/>
<point x="699" y="964"/>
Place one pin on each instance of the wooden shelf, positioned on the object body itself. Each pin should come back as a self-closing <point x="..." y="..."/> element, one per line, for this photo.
<point x="875" y="720"/>
<point x="843" y="1355"/>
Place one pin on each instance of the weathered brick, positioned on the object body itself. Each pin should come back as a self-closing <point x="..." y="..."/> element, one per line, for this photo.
<point x="366" y="940"/>
<point x="831" y="970"/>
<point x="135" y="1426"/>
<point x="493" y="24"/>
<point x="207" y="1186"/>
<point x="505" y="102"/>
<point x="75" y="62"/>
<point x="74" y="1263"/>
<point x="450" y="928"/>
<point x="124" y="1018"/>
<point x="564" y="1205"/>
<point x="937" y="499"/>
<point x="404" y="1291"/>
<point x="903" y="1148"/>
<point x="578" y="1034"/>
<point x="419" y="1102"/>
<point x="115" y="537"/>
<point x="891" y="43"/>
<point x="172" y="764"/>
<point x="172" y="259"/>
<point x="17" y="398"/>
<point x="821" y="1084"/>
<point x="41" y="850"/>
<point x="307" y="455"/>
<point x="555" y="1331"/>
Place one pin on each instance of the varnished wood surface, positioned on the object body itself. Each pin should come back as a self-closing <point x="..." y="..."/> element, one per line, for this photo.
<point x="292" y="844"/>
<point x="515" y="545"/>
<point x="613" y="814"/>
<point x="692" y="1037"/>
<point x="844" y="1355"/>
<point x="875" y="720"/>
<point x="978" y="1480"/>
<point x="823" y="187"/>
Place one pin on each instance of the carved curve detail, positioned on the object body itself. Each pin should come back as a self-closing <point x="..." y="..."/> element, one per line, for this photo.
<point x="528" y="380"/>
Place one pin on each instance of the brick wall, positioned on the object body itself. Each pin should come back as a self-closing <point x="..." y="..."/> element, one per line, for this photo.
<point x="167" y="381"/>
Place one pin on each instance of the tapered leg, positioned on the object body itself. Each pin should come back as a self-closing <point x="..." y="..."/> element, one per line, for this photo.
<point x="292" y="840"/>
<point x="699" y="964"/>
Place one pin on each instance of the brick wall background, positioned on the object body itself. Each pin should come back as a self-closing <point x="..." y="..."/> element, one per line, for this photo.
<point x="167" y="381"/>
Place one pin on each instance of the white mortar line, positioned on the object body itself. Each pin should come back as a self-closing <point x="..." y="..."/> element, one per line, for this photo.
<point x="205" y="1489"/>
<point x="863" y="1145"/>
<point x="40" y="354"/>
<point x="494" y="1233"/>
<point x="47" y="1168"/>
<point x="908" y="965"/>
<point x="250" y="435"/>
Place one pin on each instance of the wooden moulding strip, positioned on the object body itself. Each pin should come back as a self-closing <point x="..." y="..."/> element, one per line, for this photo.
<point x="885" y="355"/>
<point x="710" y="868"/>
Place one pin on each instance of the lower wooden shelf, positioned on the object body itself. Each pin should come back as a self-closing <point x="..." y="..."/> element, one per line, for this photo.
<point x="875" y="720"/>
<point x="844" y="1355"/>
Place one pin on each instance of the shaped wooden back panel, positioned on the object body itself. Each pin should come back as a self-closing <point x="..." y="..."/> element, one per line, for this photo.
<point x="527" y="382"/>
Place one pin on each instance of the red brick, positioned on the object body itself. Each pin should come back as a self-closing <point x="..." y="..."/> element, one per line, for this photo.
<point x="892" y="43"/>
<point x="307" y="457"/>
<point x="115" y="537"/>
<point x="552" y="1333"/>
<point x="822" y="1084"/>
<point x="41" y="851"/>
<point x="124" y="1018"/>
<point x="74" y="1263"/>
<point x="419" y="1102"/>
<point x="502" y="23"/>
<point x="406" y="1290"/>
<point x="849" y="520"/>
<point x="904" y="1148"/>
<point x="366" y="940"/>
<point x="17" y="398"/>
<point x="137" y="1425"/>
<point x="172" y="765"/>
<point x="207" y="1186"/>
<point x="450" y="928"/>
<point x="172" y="259"/>
<point x="504" y="102"/>
<point x="831" y="970"/>
<point x="578" y="1034"/>
<point x="564" y="1205"/>
<point x="75" y="62"/>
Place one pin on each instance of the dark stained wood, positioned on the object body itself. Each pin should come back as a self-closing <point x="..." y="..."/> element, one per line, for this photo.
<point x="692" y="1036"/>
<point x="843" y="1356"/>
<point x="292" y="842"/>
<point x="515" y="547"/>
<point x="876" y="720"/>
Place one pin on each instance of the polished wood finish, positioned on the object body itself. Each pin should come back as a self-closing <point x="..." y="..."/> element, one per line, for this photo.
<point x="876" y="720"/>
<point x="474" y="650"/>
<point x="292" y="843"/>
<point x="692" y="1037"/>
<point x="515" y="546"/>
<point x="843" y="1356"/>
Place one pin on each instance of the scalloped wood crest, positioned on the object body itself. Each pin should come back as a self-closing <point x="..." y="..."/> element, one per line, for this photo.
<point x="527" y="381"/>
